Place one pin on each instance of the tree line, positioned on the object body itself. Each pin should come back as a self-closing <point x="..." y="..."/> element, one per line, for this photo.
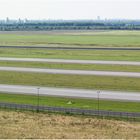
<point x="73" y="25"/>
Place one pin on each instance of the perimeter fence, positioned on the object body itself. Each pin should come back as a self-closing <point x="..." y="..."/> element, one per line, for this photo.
<point x="103" y="113"/>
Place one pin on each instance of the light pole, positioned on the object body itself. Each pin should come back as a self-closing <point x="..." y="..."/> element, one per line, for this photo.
<point x="98" y="94"/>
<point x="38" y="99"/>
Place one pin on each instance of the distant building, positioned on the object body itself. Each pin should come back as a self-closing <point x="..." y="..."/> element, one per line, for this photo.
<point x="98" y="18"/>
<point x="7" y="20"/>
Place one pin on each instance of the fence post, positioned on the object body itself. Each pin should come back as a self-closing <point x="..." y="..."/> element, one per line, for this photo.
<point x="98" y="94"/>
<point x="38" y="99"/>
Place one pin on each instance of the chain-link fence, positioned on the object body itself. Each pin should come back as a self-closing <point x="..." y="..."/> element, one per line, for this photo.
<point x="70" y="110"/>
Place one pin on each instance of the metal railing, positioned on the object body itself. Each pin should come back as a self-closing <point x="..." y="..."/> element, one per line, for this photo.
<point x="70" y="110"/>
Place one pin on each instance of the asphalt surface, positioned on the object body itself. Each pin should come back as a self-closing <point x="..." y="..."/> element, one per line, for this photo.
<point x="75" y="93"/>
<point x="72" y="72"/>
<point x="73" y="48"/>
<point x="70" y="61"/>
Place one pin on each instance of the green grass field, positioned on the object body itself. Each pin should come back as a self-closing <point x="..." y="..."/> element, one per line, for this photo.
<point x="71" y="81"/>
<point x="75" y="103"/>
<point x="97" y="67"/>
<point x="71" y="54"/>
<point x="72" y="38"/>
<point x="101" y="39"/>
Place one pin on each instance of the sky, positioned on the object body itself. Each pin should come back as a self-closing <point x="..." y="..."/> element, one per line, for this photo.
<point x="70" y="9"/>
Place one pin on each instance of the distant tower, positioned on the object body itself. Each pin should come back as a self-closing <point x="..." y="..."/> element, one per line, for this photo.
<point x="98" y="18"/>
<point x="7" y="20"/>
<point x="19" y="20"/>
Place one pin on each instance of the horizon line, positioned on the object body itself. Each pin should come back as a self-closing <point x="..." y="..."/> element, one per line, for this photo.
<point x="8" y="18"/>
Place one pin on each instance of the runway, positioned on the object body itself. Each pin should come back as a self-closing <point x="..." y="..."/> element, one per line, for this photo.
<point x="70" y="61"/>
<point x="72" y="72"/>
<point x="75" y="93"/>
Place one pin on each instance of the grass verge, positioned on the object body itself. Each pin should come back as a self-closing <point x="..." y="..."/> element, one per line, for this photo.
<point x="97" y="67"/>
<point x="100" y="39"/>
<point x="71" y="102"/>
<point x="72" y="54"/>
<point x="71" y="81"/>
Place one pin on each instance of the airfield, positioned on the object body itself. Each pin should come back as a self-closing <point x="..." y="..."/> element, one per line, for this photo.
<point x="55" y="84"/>
<point x="72" y="64"/>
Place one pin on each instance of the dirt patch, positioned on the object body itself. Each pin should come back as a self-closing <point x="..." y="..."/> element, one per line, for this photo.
<point x="32" y="125"/>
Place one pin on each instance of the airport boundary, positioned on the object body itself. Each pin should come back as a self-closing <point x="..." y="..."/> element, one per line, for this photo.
<point x="76" y="111"/>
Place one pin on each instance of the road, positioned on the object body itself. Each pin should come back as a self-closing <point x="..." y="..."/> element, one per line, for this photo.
<point x="72" y="72"/>
<point x="74" y="48"/>
<point x="75" y="93"/>
<point x="70" y="61"/>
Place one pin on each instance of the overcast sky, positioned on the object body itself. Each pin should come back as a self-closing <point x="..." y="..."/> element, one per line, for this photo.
<point x="70" y="9"/>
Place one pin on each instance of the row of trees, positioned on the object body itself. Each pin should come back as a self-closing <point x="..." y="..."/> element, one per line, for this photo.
<point x="69" y="26"/>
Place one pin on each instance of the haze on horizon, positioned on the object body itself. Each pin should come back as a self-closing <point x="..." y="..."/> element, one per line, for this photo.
<point x="70" y="9"/>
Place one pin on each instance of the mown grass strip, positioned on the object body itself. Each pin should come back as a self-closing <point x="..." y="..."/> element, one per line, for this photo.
<point x="71" y="102"/>
<point x="97" y="67"/>
<point x="72" y="54"/>
<point x="92" y="40"/>
<point x="71" y="81"/>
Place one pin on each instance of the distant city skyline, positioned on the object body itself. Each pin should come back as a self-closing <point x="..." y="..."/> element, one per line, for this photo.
<point x="69" y="9"/>
<point x="98" y="18"/>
